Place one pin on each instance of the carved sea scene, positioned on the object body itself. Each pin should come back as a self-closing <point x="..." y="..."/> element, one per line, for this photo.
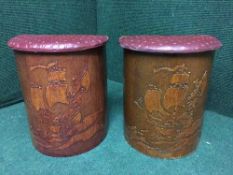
<point x="170" y="111"/>
<point x="60" y="122"/>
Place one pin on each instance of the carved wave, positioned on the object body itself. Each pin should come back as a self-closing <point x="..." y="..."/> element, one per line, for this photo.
<point x="85" y="129"/>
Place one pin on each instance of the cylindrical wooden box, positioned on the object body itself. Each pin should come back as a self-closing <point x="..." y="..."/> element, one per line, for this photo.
<point x="165" y="86"/>
<point x="63" y="83"/>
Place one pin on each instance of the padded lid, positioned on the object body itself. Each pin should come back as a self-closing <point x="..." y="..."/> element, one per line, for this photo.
<point x="56" y="43"/>
<point x="170" y="44"/>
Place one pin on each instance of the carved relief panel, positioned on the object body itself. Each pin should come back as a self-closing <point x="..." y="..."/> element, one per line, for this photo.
<point x="163" y="113"/>
<point x="62" y="96"/>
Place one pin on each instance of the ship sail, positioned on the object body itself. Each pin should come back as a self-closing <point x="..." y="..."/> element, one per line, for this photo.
<point x="176" y="93"/>
<point x="203" y="83"/>
<point x="85" y="82"/>
<point x="56" y="94"/>
<point x="56" y="90"/>
<point x="180" y="78"/>
<point x="152" y="101"/>
<point x="37" y="98"/>
<point x="174" y="98"/>
<point x="57" y="76"/>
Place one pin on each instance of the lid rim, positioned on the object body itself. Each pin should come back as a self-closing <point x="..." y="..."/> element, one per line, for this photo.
<point x="56" y="43"/>
<point x="170" y="44"/>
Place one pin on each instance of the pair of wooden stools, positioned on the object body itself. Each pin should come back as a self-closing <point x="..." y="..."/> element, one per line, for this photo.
<point x="64" y="86"/>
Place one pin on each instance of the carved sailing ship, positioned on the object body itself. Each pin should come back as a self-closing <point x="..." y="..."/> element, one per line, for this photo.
<point x="55" y="90"/>
<point x="60" y="122"/>
<point x="170" y="112"/>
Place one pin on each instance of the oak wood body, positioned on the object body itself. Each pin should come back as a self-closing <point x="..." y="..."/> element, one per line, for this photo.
<point x="64" y="95"/>
<point x="164" y="97"/>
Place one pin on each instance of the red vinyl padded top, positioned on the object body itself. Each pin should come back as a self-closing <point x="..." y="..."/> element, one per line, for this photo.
<point x="56" y="43"/>
<point x="170" y="44"/>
